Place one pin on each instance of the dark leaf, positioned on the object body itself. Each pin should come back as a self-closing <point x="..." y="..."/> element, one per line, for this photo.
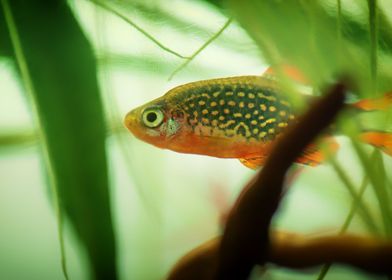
<point x="63" y="72"/>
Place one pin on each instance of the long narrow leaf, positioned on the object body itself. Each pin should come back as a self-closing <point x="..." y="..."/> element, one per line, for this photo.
<point x="62" y="68"/>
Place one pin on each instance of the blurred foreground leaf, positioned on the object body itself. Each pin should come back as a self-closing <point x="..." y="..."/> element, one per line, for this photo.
<point x="317" y="39"/>
<point x="62" y="70"/>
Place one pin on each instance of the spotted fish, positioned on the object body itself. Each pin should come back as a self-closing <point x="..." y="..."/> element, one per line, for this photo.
<point x="236" y="117"/>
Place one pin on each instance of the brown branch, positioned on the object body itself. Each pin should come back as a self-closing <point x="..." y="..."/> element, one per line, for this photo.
<point x="246" y="240"/>
<point x="296" y="251"/>
<point x="198" y="264"/>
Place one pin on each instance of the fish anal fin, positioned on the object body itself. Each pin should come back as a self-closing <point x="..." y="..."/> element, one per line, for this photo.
<point x="315" y="154"/>
<point x="311" y="158"/>
<point x="253" y="162"/>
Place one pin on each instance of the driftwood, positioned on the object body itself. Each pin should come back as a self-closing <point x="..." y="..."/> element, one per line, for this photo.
<point x="247" y="239"/>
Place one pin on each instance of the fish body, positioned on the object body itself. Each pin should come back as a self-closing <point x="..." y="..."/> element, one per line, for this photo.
<point x="236" y="117"/>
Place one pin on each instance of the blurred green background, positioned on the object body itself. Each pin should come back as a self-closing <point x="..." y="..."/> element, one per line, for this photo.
<point x="154" y="205"/>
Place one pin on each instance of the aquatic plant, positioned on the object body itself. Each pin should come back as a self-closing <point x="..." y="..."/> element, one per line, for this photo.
<point x="81" y="65"/>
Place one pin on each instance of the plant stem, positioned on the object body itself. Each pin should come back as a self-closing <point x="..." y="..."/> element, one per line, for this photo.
<point x="209" y="41"/>
<point x="364" y="210"/>
<point x="339" y="28"/>
<point x="373" y="24"/>
<point x="372" y="170"/>
<point x="354" y="206"/>
<point x="138" y="28"/>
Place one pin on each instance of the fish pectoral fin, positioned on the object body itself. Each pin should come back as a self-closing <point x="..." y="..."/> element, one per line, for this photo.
<point x="253" y="162"/>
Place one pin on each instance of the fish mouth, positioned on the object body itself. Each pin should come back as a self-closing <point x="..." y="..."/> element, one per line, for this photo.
<point x="133" y="123"/>
<point x="130" y="121"/>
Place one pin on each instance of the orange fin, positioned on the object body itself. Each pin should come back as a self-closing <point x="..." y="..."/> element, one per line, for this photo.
<point x="315" y="155"/>
<point x="311" y="157"/>
<point x="378" y="139"/>
<point x="290" y="71"/>
<point x="253" y="162"/>
<point x="374" y="103"/>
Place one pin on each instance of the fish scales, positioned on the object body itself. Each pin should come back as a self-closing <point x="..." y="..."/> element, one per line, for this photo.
<point x="231" y="107"/>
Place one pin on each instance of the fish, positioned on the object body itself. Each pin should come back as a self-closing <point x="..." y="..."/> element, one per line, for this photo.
<point x="237" y="117"/>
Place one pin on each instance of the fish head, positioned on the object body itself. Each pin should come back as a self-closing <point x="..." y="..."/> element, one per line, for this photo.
<point x="160" y="123"/>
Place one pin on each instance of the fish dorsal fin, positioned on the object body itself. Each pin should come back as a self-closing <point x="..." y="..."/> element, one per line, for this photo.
<point x="253" y="162"/>
<point x="288" y="70"/>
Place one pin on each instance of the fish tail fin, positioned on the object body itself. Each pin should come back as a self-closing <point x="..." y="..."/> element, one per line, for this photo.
<point x="371" y="104"/>
<point x="378" y="139"/>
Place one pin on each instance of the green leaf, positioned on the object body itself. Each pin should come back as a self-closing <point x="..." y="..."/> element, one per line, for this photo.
<point x="5" y="45"/>
<point x="305" y="34"/>
<point x="57" y="64"/>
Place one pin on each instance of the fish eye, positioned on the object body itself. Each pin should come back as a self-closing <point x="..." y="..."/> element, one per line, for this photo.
<point x="152" y="117"/>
